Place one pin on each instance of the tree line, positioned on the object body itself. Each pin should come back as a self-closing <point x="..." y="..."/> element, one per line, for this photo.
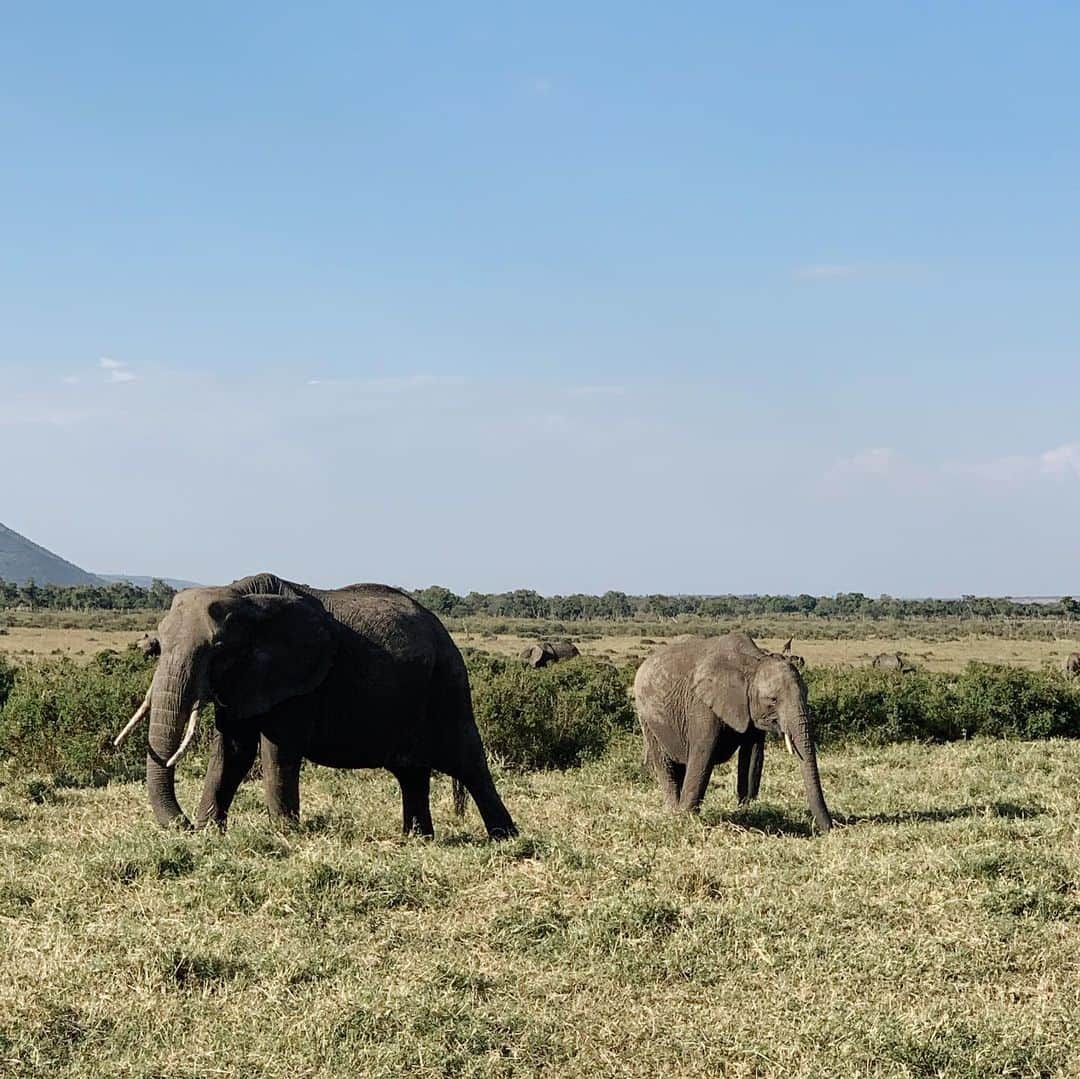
<point x="117" y="596"/>
<point x="611" y="606"/>
<point x="619" y="606"/>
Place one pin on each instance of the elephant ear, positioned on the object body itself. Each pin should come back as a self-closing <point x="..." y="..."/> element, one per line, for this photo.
<point x="288" y="650"/>
<point x="725" y="688"/>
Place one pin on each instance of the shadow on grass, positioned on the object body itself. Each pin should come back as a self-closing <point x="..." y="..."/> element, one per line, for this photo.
<point x="775" y="822"/>
<point x="1005" y="810"/>
<point x="759" y="818"/>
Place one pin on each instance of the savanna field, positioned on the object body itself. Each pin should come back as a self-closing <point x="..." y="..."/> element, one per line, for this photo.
<point x="934" y="932"/>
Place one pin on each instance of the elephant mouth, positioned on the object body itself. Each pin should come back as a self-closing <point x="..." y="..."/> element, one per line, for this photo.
<point x="189" y="731"/>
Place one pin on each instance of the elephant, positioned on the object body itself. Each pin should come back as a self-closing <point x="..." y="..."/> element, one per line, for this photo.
<point x="148" y="645"/>
<point x="547" y="652"/>
<point x="892" y="661"/>
<point x="701" y="700"/>
<point x="356" y="677"/>
<point x="1071" y="665"/>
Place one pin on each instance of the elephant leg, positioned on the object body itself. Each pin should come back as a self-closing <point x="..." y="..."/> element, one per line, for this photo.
<point x="748" y="775"/>
<point x="415" y="801"/>
<point x="669" y="774"/>
<point x="699" y="768"/>
<point x="471" y="768"/>
<point x="231" y="758"/>
<point x="281" y="780"/>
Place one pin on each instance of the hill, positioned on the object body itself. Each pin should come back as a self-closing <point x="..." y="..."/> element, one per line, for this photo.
<point x="21" y="559"/>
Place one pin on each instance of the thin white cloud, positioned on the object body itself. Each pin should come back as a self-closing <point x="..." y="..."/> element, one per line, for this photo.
<point x="879" y="461"/>
<point x="826" y="271"/>
<point x="413" y="382"/>
<point x="1018" y="470"/>
<point x="116" y="370"/>
<point x="596" y="391"/>
<point x="27" y="413"/>
<point x="1064" y="460"/>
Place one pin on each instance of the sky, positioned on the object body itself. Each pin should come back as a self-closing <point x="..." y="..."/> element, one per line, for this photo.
<point x="707" y="298"/>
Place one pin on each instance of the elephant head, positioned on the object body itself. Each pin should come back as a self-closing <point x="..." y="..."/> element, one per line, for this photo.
<point x="148" y="645"/>
<point x="537" y="655"/>
<point x="745" y="686"/>
<point x="1071" y="665"/>
<point x="245" y="652"/>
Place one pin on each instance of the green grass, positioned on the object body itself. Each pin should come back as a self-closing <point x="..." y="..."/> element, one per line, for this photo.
<point x="935" y="932"/>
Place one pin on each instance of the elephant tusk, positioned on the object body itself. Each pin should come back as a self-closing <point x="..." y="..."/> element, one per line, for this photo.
<point x="140" y="713"/>
<point x="787" y="742"/>
<point x="189" y="734"/>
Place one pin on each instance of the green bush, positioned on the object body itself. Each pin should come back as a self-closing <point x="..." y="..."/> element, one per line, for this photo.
<point x="555" y="717"/>
<point x="867" y="705"/>
<point x="60" y="717"/>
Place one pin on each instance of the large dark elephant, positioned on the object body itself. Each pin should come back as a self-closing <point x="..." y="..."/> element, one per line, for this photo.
<point x="547" y="652"/>
<point x="701" y="700"/>
<point x="1071" y="665"/>
<point x="357" y="677"/>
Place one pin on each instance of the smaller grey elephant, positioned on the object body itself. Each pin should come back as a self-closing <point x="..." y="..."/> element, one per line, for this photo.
<point x="893" y="661"/>
<point x="547" y="652"/>
<point x="1071" y="665"/>
<point x="701" y="701"/>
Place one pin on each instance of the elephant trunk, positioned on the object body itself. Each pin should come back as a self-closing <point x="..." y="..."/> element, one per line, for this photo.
<point x="172" y="704"/>
<point x="802" y="743"/>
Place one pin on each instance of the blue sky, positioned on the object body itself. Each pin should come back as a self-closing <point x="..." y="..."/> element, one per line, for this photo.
<point x="771" y="297"/>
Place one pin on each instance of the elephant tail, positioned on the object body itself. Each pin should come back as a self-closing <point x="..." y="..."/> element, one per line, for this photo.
<point x="459" y="797"/>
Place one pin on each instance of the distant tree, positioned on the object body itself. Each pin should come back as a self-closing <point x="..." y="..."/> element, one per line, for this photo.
<point x="160" y="595"/>
<point x="438" y="599"/>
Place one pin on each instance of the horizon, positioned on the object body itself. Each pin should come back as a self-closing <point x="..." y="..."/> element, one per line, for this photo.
<point x="709" y="302"/>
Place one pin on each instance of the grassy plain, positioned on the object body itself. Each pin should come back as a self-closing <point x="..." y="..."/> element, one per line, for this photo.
<point x="934" y="932"/>
<point x="941" y="647"/>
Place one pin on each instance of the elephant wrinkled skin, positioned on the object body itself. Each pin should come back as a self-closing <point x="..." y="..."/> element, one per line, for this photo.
<point x="357" y="677"/>
<point x="1071" y="665"/>
<point x="701" y="700"/>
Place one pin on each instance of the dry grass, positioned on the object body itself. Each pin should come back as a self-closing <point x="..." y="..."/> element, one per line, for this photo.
<point x="935" y="652"/>
<point x="928" y="655"/>
<point x="936" y="932"/>
<point x="27" y="641"/>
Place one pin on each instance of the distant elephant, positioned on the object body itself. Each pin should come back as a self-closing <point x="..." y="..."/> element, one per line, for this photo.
<point x="547" y="652"/>
<point x="701" y="700"/>
<point x="1071" y="665"/>
<point x="892" y="661"/>
<point x="148" y="645"/>
<point x="357" y="677"/>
